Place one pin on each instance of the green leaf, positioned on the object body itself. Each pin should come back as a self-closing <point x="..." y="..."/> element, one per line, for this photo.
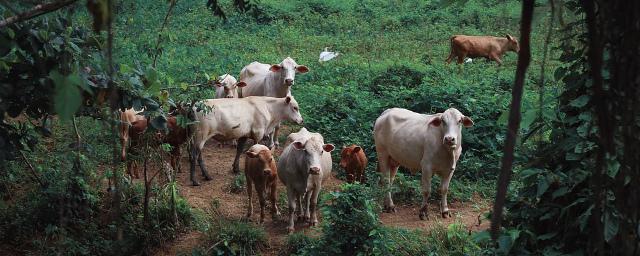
<point x="611" y="225"/>
<point x="481" y="237"/>
<point x="543" y="185"/>
<point x="612" y="168"/>
<point x="580" y="101"/>
<point x="67" y="98"/>
<point x="559" y="192"/>
<point x="528" y="117"/>
<point x="547" y="236"/>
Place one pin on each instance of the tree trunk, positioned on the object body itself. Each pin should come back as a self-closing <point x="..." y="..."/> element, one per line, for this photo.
<point x="524" y="57"/>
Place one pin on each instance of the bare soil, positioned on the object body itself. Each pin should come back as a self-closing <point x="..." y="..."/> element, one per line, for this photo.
<point x="234" y="206"/>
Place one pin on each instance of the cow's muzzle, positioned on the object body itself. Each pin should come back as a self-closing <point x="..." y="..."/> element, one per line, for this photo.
<point x="314" y="171"/>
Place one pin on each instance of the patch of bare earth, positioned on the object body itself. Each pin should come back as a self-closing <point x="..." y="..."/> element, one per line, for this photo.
<point x="234" y="206"/>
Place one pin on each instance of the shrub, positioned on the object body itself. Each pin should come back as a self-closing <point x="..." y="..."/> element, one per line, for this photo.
<point x="233" y="237"/>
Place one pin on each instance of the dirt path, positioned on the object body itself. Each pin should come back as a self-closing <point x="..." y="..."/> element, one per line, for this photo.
<point x="234" y="206"/>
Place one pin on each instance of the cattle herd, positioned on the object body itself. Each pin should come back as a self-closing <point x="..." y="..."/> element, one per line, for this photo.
<point x="253" y="108"/>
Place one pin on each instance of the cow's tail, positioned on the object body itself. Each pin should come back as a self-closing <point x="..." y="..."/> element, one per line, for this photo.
<point x="451" y="53"/>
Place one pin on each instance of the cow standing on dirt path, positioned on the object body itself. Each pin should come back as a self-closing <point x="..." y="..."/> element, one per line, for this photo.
<point x="260" y="170"/>
<point x="430" y="143"/>
<point x="241" y="119"/>
<point x="303" y="166"/>
<point x="272" y="81"/>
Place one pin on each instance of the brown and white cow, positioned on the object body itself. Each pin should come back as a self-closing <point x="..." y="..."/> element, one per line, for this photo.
<point x="272" y="80"/>
<point x="353" y="160"/>
<point x="430" y="143"/>
<point x="241" y="119"/>
<point x="126" y="120"/>
<point x="260" y="171"/>
<point x="227" y="86"/>
<point x="481" y="46"/>
<point x="303" y="166"/>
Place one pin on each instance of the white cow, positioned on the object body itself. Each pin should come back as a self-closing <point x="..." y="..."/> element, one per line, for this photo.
<point x="227" y="86"/>
<point x="270" y="80"/>
<point x="431" y="143"/>
<point x="241" y="119"/>
<point x="303" y="166"/>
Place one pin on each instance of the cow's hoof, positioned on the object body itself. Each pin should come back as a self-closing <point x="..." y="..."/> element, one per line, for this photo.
<point x="390" y="209"/>
<point x="313" y="223"/>
<point x="446" y="214"/>
<point x="208" y="178"/>
<point x="195" y="183"/>
<point x="291" y="229"/>
<point x="423" y="215"/>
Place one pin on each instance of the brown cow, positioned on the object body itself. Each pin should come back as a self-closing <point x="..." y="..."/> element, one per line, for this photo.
<point x="135" y="133"/>
<point x="176" y="137"/>
<point x="353" y="161"/>
<point x="481" y="46"/>
<point x="261" y="171"/>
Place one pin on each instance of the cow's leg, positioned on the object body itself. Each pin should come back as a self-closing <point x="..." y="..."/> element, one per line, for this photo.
<point x="444" y="189"/>
<point x="451" y="56"/>
<point x="496" y="58"/>
<point x="427" y="173"/>
<point x="236" y="163"/>
<point x="274" y="137"/>
<point x="249" y="194"/>
<point x="260" y="189"/>
<point x="307" y="205"/>
<point x="273" y="196"/>
<point x="312" y="207"/>
<point x="385" y="172"/>
<point x="300" y="211"/>
<point x="291" y="198"/>
<point x="195" y="153"/>
<point x="203" y="169"/>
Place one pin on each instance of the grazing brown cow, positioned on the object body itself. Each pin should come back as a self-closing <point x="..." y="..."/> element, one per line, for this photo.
<point x="353" y="161"/>
<point x="261" y="171"/>
<point x="481" y="46"/>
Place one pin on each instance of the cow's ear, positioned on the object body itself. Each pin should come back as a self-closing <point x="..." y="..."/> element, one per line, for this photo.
<point x="328" y="147"/>
<point x="466" y="121"/>
<point x="251" y="154"/>
<point x="357" y="149"/>
<point x="241" y="84"/>
<point x="510" y="37"/>
<point x="298" y="145"/>
<point x="287" y="100"/>
<point x="302" y="69"/>
<point x="275" y="68"/>
<point x="436" y="121"/>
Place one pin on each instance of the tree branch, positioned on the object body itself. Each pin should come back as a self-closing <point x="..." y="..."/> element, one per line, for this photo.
<point x="35" y="12"/>
<point x="164" y="24"/>
<point x="514" y="117"/>
<point x="33" y="170"/>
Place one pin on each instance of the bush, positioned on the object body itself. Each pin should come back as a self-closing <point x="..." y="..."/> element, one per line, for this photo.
<point x="299" y="244"/>
<point x="233" y="237"/>
<point x="239" y="184"/>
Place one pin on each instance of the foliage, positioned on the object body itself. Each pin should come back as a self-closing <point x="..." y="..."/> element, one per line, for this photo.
<point x="239" y="184"/>
<point x="232" y="237"/>
<point x="352" y="215"/>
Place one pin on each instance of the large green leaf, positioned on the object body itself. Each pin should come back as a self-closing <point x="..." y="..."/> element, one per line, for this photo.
<point x="611" y="225"/>
<point x="67" y="98"/>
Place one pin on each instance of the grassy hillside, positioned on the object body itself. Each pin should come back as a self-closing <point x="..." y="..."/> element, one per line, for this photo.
<point x="393" y="55"/>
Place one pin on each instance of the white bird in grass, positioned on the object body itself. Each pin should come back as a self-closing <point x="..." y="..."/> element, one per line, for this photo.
<point x="468" y="60"/>
<point x="326" y="55"/>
